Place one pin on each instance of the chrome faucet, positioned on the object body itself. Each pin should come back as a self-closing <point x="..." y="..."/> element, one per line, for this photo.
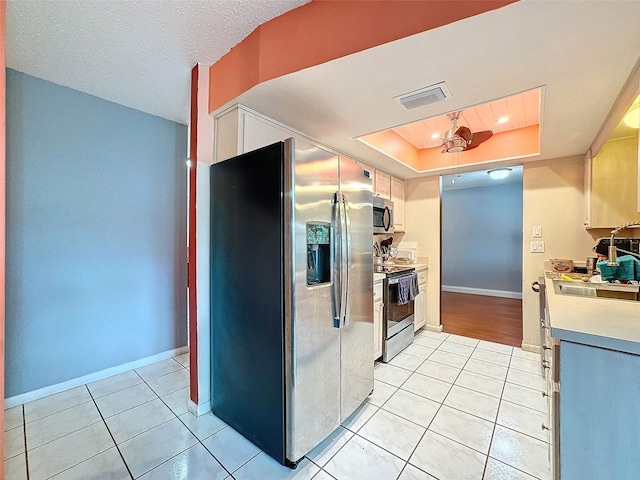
<point x="613" y="257"/>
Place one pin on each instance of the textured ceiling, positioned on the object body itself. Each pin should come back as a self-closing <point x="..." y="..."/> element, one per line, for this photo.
<point x="140" y="54"/>
<point x="137" y="53"/>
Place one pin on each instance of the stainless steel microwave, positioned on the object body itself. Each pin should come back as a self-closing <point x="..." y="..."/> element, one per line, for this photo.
<point x="382" y="215"/>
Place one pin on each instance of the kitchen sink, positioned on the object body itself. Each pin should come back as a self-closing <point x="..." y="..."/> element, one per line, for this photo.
<point x="597" y="290"/>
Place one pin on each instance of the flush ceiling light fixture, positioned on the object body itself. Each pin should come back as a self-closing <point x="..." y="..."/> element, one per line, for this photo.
<point x="502" y="120"/>
<point x="499" y="173"/>
<point x="632" y="118"/>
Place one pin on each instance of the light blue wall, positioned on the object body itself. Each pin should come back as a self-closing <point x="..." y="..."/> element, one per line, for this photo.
<point x="96" y="234"/>
<point x="482" y="237"/>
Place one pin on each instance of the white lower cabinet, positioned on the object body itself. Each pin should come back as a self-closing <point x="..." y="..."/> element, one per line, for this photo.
<point x="378" y="309"/>
<point x="419" y="311"/>
<point x="420" y="305"/>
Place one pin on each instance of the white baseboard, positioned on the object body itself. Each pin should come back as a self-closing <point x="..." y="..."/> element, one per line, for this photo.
<point x="199" y="409"/>
<point x="434" y="328"/>
<point x="482" y="291"/>
<point x="527" y="347"/>
<point x="92" y="377"/>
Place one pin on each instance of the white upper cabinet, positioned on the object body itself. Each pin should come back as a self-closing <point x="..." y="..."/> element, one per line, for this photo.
<point x="239" y="131"/>
<point x="397" y="197"/>
<point x="258" y="133"/>
<point x="382" y="184"/>
<point x="612" y="175"/>
<point x="612" y="184"/>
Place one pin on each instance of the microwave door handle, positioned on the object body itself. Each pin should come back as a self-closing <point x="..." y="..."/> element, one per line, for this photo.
<point x="336" y="287"/>
<point x="387" y="213"/>
<point x="344" y="314"/>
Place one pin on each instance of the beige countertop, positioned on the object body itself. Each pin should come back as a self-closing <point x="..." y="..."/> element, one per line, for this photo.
<point x="601" y="322"/>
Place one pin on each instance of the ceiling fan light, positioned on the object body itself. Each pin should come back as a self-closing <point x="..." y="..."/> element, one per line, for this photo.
<point x="499" y="173"/>
<point x="454" y="144"/>
<point x="632" y="118"/>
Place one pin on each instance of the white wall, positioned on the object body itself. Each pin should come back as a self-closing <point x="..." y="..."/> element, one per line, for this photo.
<point x="553" y="197"/>
<point x="422" y="210"/>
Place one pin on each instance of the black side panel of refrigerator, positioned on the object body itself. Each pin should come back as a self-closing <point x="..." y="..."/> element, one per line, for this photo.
<point x="247" y="326"/>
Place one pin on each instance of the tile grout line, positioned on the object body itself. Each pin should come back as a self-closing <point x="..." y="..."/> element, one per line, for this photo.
<point x="442" y="404"/>
<point x="437" y="411"/>
<point x="26" y="450"/>
<point x="493" y="430"/>
<point x="198" y="440"/>
<point x="110" y="434"/>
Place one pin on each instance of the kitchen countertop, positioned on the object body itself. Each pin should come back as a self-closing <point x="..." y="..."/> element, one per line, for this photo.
<point x="601" y="322"/>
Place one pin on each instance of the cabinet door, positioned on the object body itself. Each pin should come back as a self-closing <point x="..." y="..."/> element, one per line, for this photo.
<point x="397" y="197"/>
<point x="382" y="185"/>
<point x="419" y="312"/>
<point x="258" y="133"/>
<point x="613" y="189"/>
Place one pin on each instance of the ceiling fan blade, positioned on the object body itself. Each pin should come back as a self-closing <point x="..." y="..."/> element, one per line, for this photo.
<point x="465" y="133"/>
<point x="478" y="138"/>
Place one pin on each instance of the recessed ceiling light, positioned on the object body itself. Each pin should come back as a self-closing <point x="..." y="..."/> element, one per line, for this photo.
<point x="499" y="173"/>
<point x="435" y="135"/>
<point x="502" y="120"/>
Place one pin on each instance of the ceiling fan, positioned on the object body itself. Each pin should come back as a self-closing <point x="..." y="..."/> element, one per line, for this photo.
<point x="461" y="139"/>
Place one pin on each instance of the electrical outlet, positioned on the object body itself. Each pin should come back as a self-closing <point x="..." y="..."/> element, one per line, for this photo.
<point x="537" y="231"/>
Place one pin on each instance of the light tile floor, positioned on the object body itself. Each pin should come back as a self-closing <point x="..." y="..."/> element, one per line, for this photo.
<point x="449" y="407"/>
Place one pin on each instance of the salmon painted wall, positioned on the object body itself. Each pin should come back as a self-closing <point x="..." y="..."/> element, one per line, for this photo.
<point x="3" y="129"/>
<point x="518" y="143"/>
<point x="324" y="30"/>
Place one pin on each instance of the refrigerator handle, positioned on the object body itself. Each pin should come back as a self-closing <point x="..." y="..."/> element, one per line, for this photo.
<point x="347" y="263"/>
<point x="336" y="288"/>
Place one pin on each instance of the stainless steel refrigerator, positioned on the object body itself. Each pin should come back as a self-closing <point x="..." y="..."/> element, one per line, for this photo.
<point x="291" y="295"/>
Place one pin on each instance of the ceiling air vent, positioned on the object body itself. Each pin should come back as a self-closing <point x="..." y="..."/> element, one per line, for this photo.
<point x="424" y="96"/>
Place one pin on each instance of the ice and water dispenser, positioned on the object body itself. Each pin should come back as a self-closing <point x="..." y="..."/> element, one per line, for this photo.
<point x="318" y="253"/>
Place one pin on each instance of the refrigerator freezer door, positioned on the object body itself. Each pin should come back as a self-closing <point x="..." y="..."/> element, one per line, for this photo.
<point x="247" y="335"/>
<point x="313" y="343"/>
<point x="357" y="333"/>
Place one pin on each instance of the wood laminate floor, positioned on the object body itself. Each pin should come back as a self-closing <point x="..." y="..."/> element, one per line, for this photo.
<point x="494" y="319"/>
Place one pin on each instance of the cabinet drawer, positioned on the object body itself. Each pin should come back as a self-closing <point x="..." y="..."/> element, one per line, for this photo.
<point x="377" y="293"/>
<point x="422" y="277"/>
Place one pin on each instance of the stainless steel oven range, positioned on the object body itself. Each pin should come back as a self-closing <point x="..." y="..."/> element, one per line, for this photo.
<point x="398" y="318"/>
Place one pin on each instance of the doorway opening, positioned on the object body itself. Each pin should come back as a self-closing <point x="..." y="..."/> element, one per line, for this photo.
<point x="481" y="256"/>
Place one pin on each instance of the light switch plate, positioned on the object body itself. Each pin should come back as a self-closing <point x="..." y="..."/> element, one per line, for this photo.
<point x="537" y="246"/>
<point x="537" y="231"/>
